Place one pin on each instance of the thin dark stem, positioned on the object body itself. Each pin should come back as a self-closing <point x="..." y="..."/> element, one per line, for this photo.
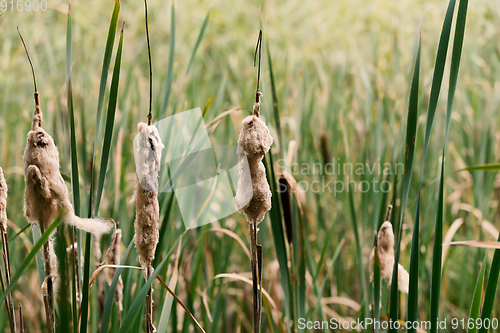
<point x="150" y="328"/>
<point x="388" y="212"/>
<point x="2" y="284"/>
<point x="49" y="297"/>
<point x="252" y="230"/>
<point x="150" y="114"/>
<point x="259" y="266"/>
<point x="21" y="319"/>
<point x="37" y="100"/>
<point x="6" y="260"/>
<point x="259" y="49"/>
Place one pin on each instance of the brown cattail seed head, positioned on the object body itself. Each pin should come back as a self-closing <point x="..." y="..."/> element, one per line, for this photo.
<point x="46" y="194"/>
<point x="148" y="148"/>
<point x="3" y="202"/>
<point x="254" y="142"/>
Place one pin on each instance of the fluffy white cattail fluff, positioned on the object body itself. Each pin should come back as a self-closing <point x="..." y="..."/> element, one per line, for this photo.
<point x="3" y="202"/>
<point x="385" y="246"/>
<point x="253" y="195"/>
<point x="148" y="147"/>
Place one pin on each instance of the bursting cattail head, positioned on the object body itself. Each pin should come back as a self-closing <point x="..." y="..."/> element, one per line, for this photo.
<point x="385" y="238"/>
<point x="385" y="249"/>
<point x="3" y="202"/>
<point x="255" y="138"/>
<point x="253" y="195"/>
<point x="46" y="194"/>
<point x="148" y="147"/>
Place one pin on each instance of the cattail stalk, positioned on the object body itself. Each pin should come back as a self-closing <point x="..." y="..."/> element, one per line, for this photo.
<point x="46" y="197"/>
<point x="148" y="155"/>
<point x="9" y="301"/>
<point x="253" y="195"/>
<point x="385" y="253"/>
<point x="147" y="208"/>
<point x="148" y="147"/>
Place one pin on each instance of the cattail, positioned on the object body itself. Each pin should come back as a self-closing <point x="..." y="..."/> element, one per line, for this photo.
<point x="148" y="155"/>
<point x="147" y="151"/>
<point x="253" y="195"/>
<point x="254" y="141"/>
<point x="385" y="247"/>
<point x="46" y="194"/>
<point x="46" y="197"/>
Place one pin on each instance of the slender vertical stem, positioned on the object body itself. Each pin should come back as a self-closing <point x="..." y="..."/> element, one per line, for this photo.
<point x="9" y="300"/>
<point x="2" y="283"/>
<point x="388" y="213"/>
<point x="258" y="48"/>
<point x="21" y="319"/>
<point x="259" y="265"/>
<point x="150" y="114"/>
<point x="254" y="274"/>
<point x="49" y="298"/>
<point x="149" y="304"/>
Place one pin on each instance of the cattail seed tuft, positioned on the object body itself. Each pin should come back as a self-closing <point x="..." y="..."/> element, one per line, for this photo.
<point x="254" y="141"/>
<point x="385" y="247"/>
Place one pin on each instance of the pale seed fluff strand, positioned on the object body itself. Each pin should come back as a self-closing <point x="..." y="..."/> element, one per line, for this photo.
<point x="148" y="147"/>
<point x="385" y="246"/>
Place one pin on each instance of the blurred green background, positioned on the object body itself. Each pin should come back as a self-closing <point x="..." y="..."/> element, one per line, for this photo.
<point x="342" y="72"/>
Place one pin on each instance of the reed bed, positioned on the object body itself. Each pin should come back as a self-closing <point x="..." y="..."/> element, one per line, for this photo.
<point x="342" y="85"/>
